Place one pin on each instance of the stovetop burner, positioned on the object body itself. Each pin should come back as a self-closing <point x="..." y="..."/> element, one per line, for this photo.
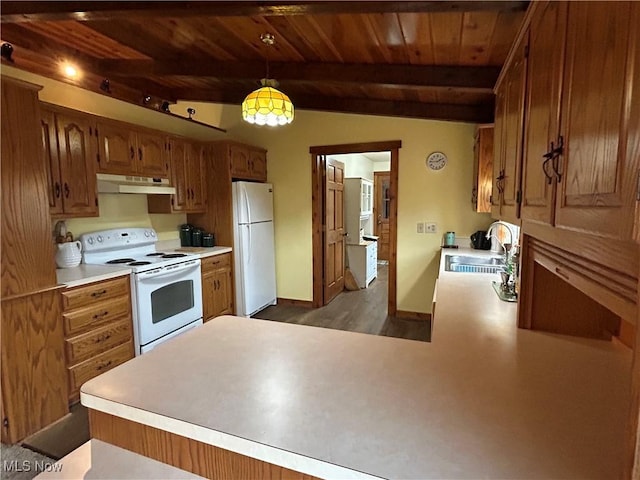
<point x="174" y="255"/>
<point x="136" y="264"/>
<point x="156" y="254"/>
<point x="121" y="260"/>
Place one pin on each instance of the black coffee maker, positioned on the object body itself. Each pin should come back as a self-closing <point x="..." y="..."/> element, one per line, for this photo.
<point x="479" y="240"/>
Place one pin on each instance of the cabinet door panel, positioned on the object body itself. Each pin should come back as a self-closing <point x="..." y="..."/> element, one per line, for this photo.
<point x="178" y="152"/>
<point x="597" y="191"/>
<point x="258" y="165"/>
<point x="52" y="160"/>
<point x="223" y="301"/>
<point x="77" y="165"/>
<point x="116" y="149"/>
<point x="151" y="156"/>
<point x="544" y="79"/>
<point x="239" y="157"/>
<point x="196" y="178"/>
<point x="498" y="152"/>
<point x="512" y="136"/>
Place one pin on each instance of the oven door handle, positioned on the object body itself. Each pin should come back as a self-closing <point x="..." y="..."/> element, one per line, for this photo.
<point x="164" y="274"/>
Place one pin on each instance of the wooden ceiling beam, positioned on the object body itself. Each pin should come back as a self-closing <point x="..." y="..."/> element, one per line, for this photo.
<point x="31" y="11"/>
<point x="472" y="78"/>
<point x="432" y="111"/>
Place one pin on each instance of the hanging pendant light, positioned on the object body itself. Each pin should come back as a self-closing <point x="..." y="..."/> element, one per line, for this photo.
<point x="267" y="105"/>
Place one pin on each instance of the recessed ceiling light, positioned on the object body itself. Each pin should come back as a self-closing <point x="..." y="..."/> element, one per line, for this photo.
<point x="69" y="70"/>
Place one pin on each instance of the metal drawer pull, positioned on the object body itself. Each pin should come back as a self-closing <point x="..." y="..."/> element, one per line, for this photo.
<point x="100" y="315"/>
<point x="98" y="294"/>
<point x="104" y="365"/>
<point x="103" y="338"/>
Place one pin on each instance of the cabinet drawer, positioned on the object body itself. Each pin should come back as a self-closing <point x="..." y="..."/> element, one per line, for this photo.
<point x="93" y="367"/>
<point x="87" y="295"/>
<point x="216" y="261"/>
<point x="97" y="341"/>
<point x="99" y="314"/>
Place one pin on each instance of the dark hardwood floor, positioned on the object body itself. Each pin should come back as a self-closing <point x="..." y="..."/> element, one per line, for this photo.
<point x="363" y="311"/>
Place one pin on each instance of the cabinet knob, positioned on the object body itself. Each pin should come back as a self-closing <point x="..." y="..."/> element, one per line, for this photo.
<point x="132" y="153"/>
<point x="66" y="190"/>
<point x="57" y="189"/>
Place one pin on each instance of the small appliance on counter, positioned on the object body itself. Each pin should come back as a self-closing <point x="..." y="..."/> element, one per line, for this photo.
<point x="479" y="240"/>
<point x="449" y="240"/>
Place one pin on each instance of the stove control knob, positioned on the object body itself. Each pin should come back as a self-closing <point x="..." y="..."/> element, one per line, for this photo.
<point x="153" y="233"/>
<point x="146" y="233"/>
<point x="90" y="240"/>
<point x="100" y="238"/>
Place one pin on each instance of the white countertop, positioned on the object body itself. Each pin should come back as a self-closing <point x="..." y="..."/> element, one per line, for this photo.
<point x="96" y="460"/>
<point x="483" y="400"/>
<point x="84" y="274"/>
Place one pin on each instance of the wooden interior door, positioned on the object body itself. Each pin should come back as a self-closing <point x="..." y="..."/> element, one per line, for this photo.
<point x="597" y="191"/>
<point x="382" y="211"/>
<point x="334" y="230"/>
<point x="544" y="82"/>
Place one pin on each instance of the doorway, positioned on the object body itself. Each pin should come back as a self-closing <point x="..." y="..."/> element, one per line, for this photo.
<point x="321" y="173"/>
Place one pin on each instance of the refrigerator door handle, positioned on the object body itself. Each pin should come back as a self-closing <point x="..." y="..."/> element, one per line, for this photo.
<point x="249" y="256"/>
<point x="246" y="203"/>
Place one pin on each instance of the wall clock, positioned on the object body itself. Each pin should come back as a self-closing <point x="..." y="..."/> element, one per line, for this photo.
<point x="436" y="161"/>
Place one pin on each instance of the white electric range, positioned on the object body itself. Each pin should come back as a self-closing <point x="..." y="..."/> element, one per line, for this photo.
<point x="166" y="288"/>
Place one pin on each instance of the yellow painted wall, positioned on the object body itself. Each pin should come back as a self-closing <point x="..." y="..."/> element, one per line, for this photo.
<point x="443" y="197"/>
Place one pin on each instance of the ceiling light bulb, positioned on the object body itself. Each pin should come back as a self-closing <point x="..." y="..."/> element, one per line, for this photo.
<point x="69" y="70"/>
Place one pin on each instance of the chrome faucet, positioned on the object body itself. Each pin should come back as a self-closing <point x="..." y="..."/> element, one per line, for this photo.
<point x="503" y="245"/>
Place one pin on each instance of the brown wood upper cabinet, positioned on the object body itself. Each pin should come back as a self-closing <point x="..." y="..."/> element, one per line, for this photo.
<point x="248" y="163"/>
<point x="509" y="118"/>
<point x="70" y="152"/>
<point x="483" y="169"/>
<point x="580" y="169"/>
<point x="187" y="176"/>
<point x="127" y="151"/>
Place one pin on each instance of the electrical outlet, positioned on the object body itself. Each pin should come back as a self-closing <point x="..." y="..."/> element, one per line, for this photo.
<point x="420" y="227"/>
<point x="430" y="228"/>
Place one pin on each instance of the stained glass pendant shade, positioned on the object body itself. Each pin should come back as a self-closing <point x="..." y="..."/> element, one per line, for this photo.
<point x="267" y="106"/>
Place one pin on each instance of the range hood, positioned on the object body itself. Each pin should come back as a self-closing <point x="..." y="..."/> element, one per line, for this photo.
<point x="108" y="183"/>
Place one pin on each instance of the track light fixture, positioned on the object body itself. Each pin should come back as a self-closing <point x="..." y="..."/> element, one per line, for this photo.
<point x="191" y="112"/>
<point x="105" y="85"/>
<point x="146" y="99"/>
<point x="6" y="52"/>
<point x="165" y="107"/>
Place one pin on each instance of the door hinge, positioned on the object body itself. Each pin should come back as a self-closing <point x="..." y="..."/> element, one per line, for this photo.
<point x="638" y="191"/>
<point x="519" y="196"/>
<point x="491" y="199"/>
<point x="98" y="157"/>
<point x="5" y="422"/>
<point x="526" y="51"/>
<point x="96" y="202"/>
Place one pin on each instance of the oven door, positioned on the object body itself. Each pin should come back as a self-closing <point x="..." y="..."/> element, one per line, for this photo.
<point x="167" y="298"/>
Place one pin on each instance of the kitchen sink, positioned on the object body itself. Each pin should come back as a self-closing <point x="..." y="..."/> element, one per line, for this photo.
<point x="470" y="264"/>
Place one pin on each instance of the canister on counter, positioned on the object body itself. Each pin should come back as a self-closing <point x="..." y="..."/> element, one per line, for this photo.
<point x="196" y="237"/>
<point x="449" y="239"/>
<point x="208" y="240"/>
<point x="185" y="235"/>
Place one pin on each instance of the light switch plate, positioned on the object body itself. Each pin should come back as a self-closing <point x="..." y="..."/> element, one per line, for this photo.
<point x="430" y="227"/>
<point x="420" y="227"/>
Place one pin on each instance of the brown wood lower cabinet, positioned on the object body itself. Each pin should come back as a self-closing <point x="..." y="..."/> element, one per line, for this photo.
<point x="217" y="286"/>
<point x="33" y="375"/>
<point x="98" y="330"/>
<point x="185" y="453"/>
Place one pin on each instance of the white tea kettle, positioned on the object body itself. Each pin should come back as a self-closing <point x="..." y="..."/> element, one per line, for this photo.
<point x="69" y="254"/>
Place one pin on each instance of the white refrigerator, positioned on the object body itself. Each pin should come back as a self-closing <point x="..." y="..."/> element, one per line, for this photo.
<point x="254" y="251"/>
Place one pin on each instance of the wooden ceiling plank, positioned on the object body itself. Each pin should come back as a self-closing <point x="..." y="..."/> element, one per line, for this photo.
<point x="446" y="32"/>
<point x="416" y="30"/>
<point x="29" y="11"/>
<point x="419" y="75"/>
<point x="477" y="32"/>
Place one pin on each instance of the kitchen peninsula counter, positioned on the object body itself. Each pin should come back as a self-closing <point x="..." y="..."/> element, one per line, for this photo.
<point x="483" y="400"/>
